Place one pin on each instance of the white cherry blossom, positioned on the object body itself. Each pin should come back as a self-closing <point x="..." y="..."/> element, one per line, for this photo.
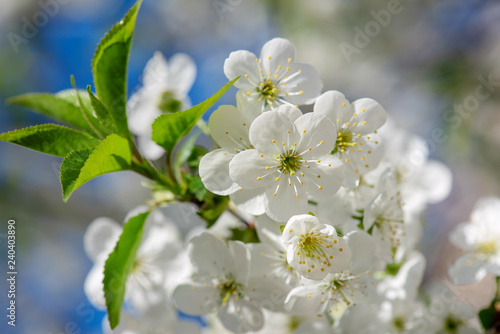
<point x="221" y="284"/>
<point x="166" y="87"/>
<point x="342" y="289"/>
<point x="480" y="239"/>
<point x="358" y="145"/>
<point x="155" y="259"/>
<point x="274" y="78"/>
<point x="314" y="249"/>
<point x="290" y="161"/>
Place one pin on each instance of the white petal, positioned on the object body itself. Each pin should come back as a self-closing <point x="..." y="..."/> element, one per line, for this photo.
<point x="285" y="200"/>
<point x="249" y="106"/>
<point x="156" y="71"/>
<point x="229" y="128"/>
<point x="290" y="111"/>
<point x="333" y="105"/>
<point x="273" y="126"/>
<point x="298" y="225"/>
<point x="269" y="293"/>
<point x="369" y="111"/>
<point x="214" y="172"/>
<point x="307" y="84"/>
<point x="277" y="52"/>
<point x="209" y="255"/>
<point x="148" y="148"/>
<point x="241" y="259"/>
<point x="351" y="178"/>
<point x="316" y="132"/>
<point x="241" y="316"/>
<point x="363" y="249"/>
<point x="305" y="300"/>
<point x="195" y="298"/>
<point x="467" y="270"/>
<point x="464" y="236"/>
<point x="324" y="178"/>
<point x="182" y="73"/>
<point x="252" y="201"/>
<point x="248" y="169"/>
<point x="239" y="64"/>
<point x="101" y="237"/>
<point x="436" y="180"/>
<point x="486" y="210"/>
<point x="142" y="110"/>
<point x="93" y="285"/>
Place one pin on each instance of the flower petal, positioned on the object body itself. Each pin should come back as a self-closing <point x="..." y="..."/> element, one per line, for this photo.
<point x="335" y="106"/>
<point x="229" y="128"/>
<point x="241" y="259"/>
<point x="182" y="72"/>
<point x="270" y="130"/>
<point x="93" y="286"/>
<point x="364" y="251"/>
<point x="464" y="236"/>
<point x="248" y="169"/>
<point x="252" y="201"/>
<point x="305" y="87"/>
<point x="156" y="71"/>
<point x="270" y="293"/>
<point x="324" y="178"/>
<point x="240" y="64"/>
<point x="277" y="52"/>
<point x="290" y="111"/>
<point x="209" y="255"/>
<point x="101" y="237"/>
<point x="467" y="269"/>
<point x="195" y="298"/>
<point x="240" y="316"/>
<point x="214" y="172"/>
<point x="317" y="135"/>
<point x="369" y="111"/>
<point x="285" y="200"/>
<point x="305" y="300"/>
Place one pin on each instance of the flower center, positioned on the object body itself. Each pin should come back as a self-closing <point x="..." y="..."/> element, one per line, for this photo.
<point x="228" y="289"/>
<point x="399" y="323"/>
<point x="344" y="140"/>
<point x="488" y="248"/>
<point x="451" y="324"/>
<point x="268" y="91"/>
<point x="289" y="162"/>
<point x="169" y="103"/>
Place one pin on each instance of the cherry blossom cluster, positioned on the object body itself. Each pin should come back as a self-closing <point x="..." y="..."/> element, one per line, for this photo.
<point x="335" y="197"/>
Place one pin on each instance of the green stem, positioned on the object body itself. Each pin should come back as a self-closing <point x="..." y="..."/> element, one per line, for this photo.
<point x="497" y="297"/>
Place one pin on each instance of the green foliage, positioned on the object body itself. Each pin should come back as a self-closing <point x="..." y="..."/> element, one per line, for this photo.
<point x="119" y="265"/>
<point x="62" y="107"/>
<point x="51" y="139"/>
<point x="212" y="207"/>
<point x="112" y="155"/>
<point x="109" y="66"/>
<point x="282" y="227"/>
<point x="102" y="112"/>
<point x="487" y="316"/>
<point x="168" y="129"/>
<point x="185" y="151"/>
<point x="197" y="188"/>
<point x="246" y="235"/>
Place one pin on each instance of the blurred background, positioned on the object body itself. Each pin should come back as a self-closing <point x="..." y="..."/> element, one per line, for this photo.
<point x="422" y="60"/>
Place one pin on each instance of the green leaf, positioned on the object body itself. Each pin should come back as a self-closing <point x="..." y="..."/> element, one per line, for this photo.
<point x="102" y="112"/>
<point x="212" y="208"/>
<point x="282" y="227"/>
<point x="119" y="265"/>
<point x="246" y="235"/>
<point x="109" y="67"/>
<point x="197" y="188"/>
<point x="51" y="139"/>
<point x="62" y="107"/>
<point x="168" y="129"/>
<point x="184" y="153"/>
<point x="487" y="316"/>
<point x="112" y="155"/>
